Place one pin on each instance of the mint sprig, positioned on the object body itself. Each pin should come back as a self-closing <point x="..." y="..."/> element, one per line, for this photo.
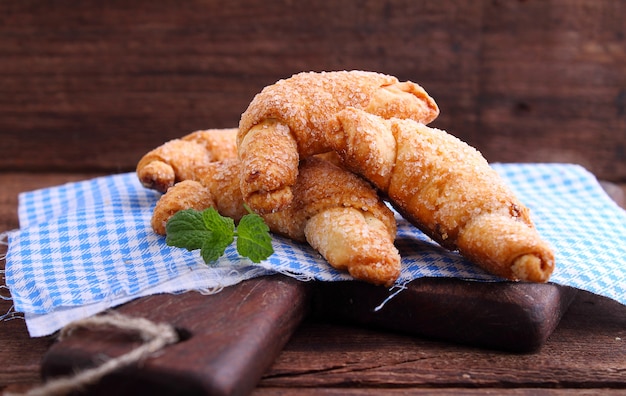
<point x="212" y="233"/>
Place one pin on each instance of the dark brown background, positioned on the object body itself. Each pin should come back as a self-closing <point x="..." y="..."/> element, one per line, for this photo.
<point x="92" y="85"/>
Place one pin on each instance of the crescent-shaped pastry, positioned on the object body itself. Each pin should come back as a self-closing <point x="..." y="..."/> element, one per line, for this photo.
<point x="447" y="189"/>
<point x="338" y="213"/>
<point x="297" y="117"/>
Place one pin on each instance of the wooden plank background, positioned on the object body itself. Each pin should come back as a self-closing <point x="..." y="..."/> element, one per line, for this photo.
<point x="92" y="85"/>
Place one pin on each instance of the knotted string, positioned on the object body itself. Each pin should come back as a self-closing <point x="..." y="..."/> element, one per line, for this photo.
<point x="156" y="336"/>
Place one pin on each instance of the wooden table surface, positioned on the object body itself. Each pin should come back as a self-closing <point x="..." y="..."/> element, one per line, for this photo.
<point x="586" y="352"/>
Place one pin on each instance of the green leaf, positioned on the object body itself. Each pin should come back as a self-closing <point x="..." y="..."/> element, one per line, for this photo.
<point x="185" y="229"/>
<point x="253" y="238"/>
<point x="217" y="223"/>
<point x="215" y="247"/>
<point x="212" y="233"/>
<point x="222" y="234"/>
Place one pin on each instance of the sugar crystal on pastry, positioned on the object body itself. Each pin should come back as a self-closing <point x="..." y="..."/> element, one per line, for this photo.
<point x="447" y="189"/>
<point x="307" y="105"/>
<point x="335" y="211"/>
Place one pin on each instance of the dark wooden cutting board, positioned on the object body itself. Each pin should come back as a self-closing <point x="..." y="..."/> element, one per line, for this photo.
<point x="231" y="338"/>
<point x="510" y="316"/>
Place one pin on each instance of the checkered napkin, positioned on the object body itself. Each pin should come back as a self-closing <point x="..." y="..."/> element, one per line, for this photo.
<point x="87" y="246"/>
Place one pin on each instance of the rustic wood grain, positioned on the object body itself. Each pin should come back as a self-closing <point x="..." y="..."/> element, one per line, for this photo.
<point x="436" y="391"/>
<point x="553" y="84"/>
<point x="92" y="86"/>
<point x="232" y="337"/>
<point x="20" y="355"/>
<point x="130" y="76"/>
<point x="509" y="316"/>
<point x="587" y="350"/>
<point x="235" y="335"/>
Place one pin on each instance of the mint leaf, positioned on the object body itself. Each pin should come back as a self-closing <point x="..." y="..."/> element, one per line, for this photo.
<point x="222" y="234"/>
<point x="253" y="238"/>
<point x="213" y="248"/>
<point x="212" y="233"/>
<point x="217" y="223"/>
<point x="186" y="230"/>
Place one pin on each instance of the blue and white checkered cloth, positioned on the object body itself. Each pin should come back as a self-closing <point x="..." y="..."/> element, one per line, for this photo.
<point x="88" y="246"/>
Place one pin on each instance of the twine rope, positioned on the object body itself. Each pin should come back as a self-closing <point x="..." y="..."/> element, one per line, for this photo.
<point x="156" y="336"/>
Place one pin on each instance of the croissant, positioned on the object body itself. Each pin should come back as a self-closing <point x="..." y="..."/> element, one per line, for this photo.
<point x="338" y="213"/>
<point x="341" y="216"/>
<point x="179" y="159"/>
<point x="447" y="189"/>
<point x="215" y="185"/>
<point x="296" y="118"/>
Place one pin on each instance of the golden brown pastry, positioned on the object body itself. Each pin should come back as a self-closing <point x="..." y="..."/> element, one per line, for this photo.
<point x="447" y="189"/>
<point x="341" y="216"/>
<point x="213" y="185"/>
<point x="336" y="212"/>
<point x="178" y="159"/>
<point x="296" y="118"/>
<point x="187" y="194"/>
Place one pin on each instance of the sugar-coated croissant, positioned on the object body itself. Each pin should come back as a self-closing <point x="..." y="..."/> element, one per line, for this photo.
<point x="375" y="126"/>
<point x="446" y="188"/>
<point x="336" y="212"/>
<point x="341" y="216"/>
<point x="296" y="117"/>
<point x="179" y="159"/>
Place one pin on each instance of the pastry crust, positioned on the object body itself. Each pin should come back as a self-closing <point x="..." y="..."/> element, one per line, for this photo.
<point x="220" y="144"/>
<point x="341" y="216"/>
<point x="269" y="163"/>
<point x="335" y="211"/>
<point x="304" y="107"/>
<point x="373" y="125"/>
<point x="187" y="194"/>
<point x="179" y="159"/>
<point x="447" y="189"/>
<point x="322" y="185"/>
<point x="355" y="241"/>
